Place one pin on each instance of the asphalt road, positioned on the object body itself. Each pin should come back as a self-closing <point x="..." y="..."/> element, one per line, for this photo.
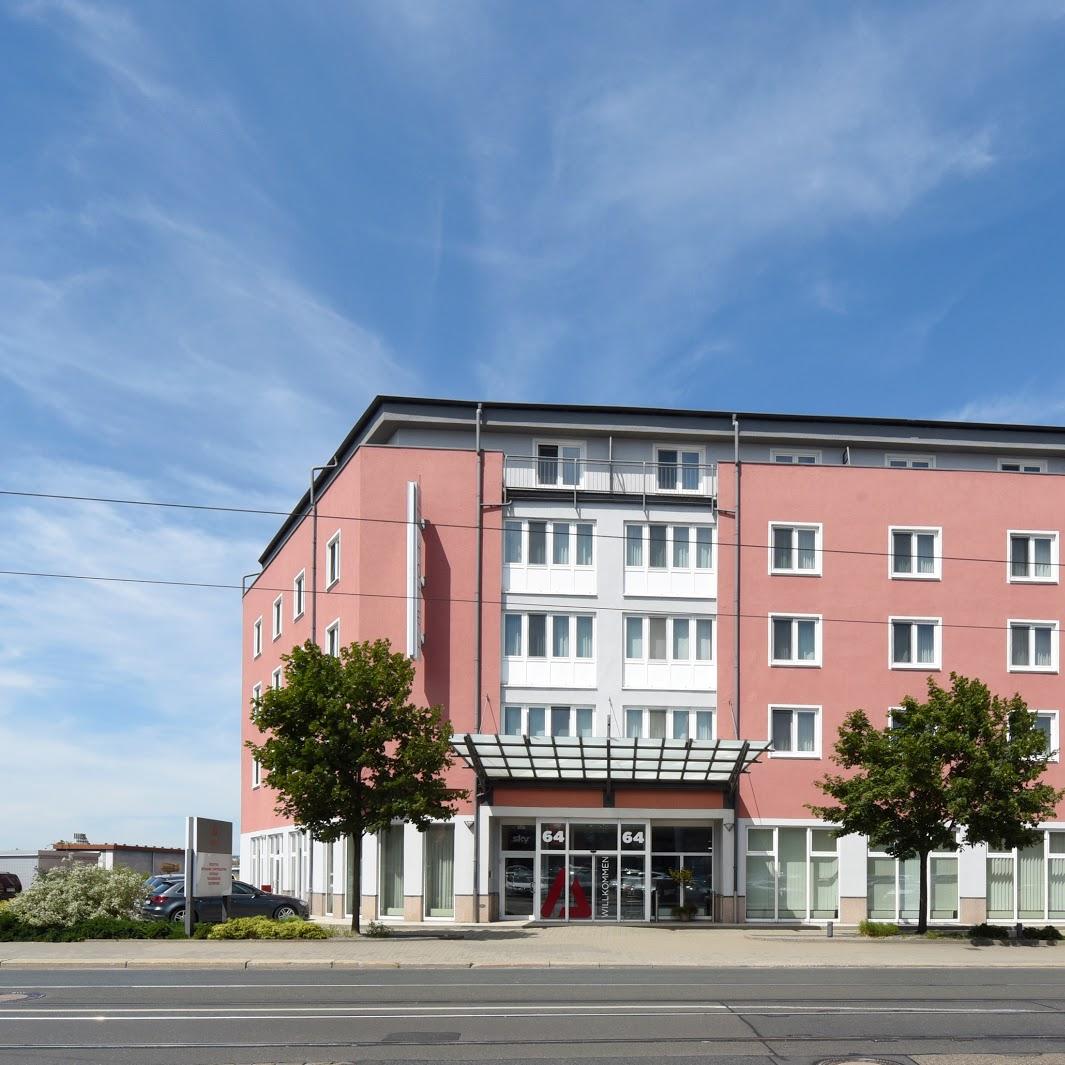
<point x="157" y="1017"/>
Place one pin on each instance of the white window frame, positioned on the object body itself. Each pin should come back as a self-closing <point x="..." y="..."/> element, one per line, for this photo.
<point x="559" y="481"/>
<point x="547" y="707"/>
<point x="691" y="711"/>
<point x="795" y="708"/>
<point x="815" y="663"/>
<point x="937" y="552"/>
<point x="1055" y="735"/>
<point x="277" y="617"/>
<point x="332" y="635"/>
<point x="549" y="544"/>
<point x="790" y="456"/>
<point x="256" y="693"/>
<point x="1033" y="624"/>
<point x="795" y="526"/>
<point x="256" y="774"/>
<point x="645" y="550"/>
<point x="299" y="594"/>
<point x="276" y="678"/>
<point x="700" y="466"/>
<point x="1033" y="534"/>
<point x="332" y="559"/>
<point x="669" y="660"/>
<point x="892" y="459"/>
<point x="1039" y="464"/>
<point x="937" y="643"/>
<point x="549" y="635"/>
<point x="257" y="637"/>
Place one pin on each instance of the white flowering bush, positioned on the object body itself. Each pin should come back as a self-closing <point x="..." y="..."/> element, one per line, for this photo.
<point x="76" y="891"/>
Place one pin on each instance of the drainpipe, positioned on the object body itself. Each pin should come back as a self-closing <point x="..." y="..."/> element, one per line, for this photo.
<point x="315" y="470"/>
<point x="736" y="670"/>
<point x="477" y="661"/>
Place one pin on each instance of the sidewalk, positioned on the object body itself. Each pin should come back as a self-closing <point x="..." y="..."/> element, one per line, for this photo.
<point x="507" y="946"/>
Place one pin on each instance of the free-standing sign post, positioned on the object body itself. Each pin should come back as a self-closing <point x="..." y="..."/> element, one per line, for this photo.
<point x="208" y="865"/>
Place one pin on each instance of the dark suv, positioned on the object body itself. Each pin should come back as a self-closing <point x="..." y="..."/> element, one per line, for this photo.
<point x="10" y="885"/>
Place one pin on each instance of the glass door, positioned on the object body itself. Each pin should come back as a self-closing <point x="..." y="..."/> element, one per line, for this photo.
<point x="391" y="871"/>
<point x="682" y="847"/>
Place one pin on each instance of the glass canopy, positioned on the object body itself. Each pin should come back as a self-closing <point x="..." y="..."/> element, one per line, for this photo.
<point x="602" y="758"/>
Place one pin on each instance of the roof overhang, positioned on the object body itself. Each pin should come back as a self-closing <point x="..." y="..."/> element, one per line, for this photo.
<point x="607" y="760"/>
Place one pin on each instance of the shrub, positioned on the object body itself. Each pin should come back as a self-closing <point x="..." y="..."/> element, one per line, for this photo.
<point x="1046" y="932"/>
<point x="266" y="928"/>
<point x="877" y="929"/>
<point x="377" y="930"/>
<point x="14" y="930"/>
<point x="989" y="931"/>
<point x="75" y="892"/>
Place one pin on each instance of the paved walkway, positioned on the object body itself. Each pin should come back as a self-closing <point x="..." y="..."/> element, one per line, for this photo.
<point x="562" y="945"/>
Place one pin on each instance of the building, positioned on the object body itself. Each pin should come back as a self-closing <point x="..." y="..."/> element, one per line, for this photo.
<point x="570" y="580"/>
<point x="144" y="859"/>
<point x="22" y="863"/>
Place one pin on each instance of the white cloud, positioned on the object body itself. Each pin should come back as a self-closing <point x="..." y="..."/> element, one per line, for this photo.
<point x="1031" y="406"/>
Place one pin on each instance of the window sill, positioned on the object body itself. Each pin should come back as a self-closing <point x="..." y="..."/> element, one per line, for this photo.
<point x="1031" y="580"/>
<point x="274" y="639"/>
<point x="329" y="584"/>
<point x="915" y="576"/>
<point x="296" y="617"/>
<point x="794" y="665"/>
<point x="1045" y="670"/>
<point x="256" y="655"/>
<point x="805" y="755"/>
<point x="926" y="667"/>
<point x="795" y="573"/>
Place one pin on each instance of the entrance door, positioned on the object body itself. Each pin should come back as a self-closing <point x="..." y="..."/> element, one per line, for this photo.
<point x="518" y="879"/>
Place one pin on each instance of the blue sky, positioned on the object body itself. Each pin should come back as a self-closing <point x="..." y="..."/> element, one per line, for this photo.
<point x="225" y="226"/>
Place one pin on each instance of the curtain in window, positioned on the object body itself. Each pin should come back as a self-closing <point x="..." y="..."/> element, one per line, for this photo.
<point x="537" y="721"/>
<point x="1042" y="646"/>
<point x="512" y="721"/>
<point x="657" y="649"/>
<point x="560" y="636"/>
<point x="584" y="545"/>
<point x="633" y="722"/>
<point x="704" y="639"/>
<point x="512" y="542"/>
<point x="880" y="888"/>
<point x="901" y="558"/>
<point x="926" y="643"/>
<point x="1019" y="655"/>
<point x="782" y="639"/>
<point x="1056" y="887"/>
<point x="900" y="642"/>
<point x="943" y="889"/>
<point x="440" y="871"/>
<point x="791" y="882"/>
<point x="1000" y="888"/>
<point x="926" y="552"/>
<point x="1018" y="556"/>
<point x="690" y="473"/>
<point x="704" y="725"/>
<point x="571" y="466"/>
<point x="656" y="722"/>
<point x="807" y="552"/>
<point x="782" y="548"/>
<point x="634" y="637"/>
<point x="584" y="721"/>
<point x="681" y="648"/>
<point x="807" y="723"/>
<point x="512" y="635"/>
<point x="391" y="859"/>
<point x="680" y="724"/>
<point x="537" y="543"/>
<point x="761" y="888"/>
<point x="1042" y="558"/>
<point x="703" y="544"/>
<point x="560" y="543"/>
<point x="584" y="637"/>
<point x="680" y="546"/>
<point x="824" y="881"/>
<point x="560" y="721"/>
<point x="807" y="641"/>
<point x="657" y="554"/>
<point x="1031" y="876"/>
<point x="909" y="888"/>
<point x="634" y="545"/>
<point x="781" y="730"/>
<point x="537" y="636"/>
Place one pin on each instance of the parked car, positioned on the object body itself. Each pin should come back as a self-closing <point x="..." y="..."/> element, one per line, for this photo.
<point x="159" y="882"/>
<point x="10" y="885"/>
<point x="245" y="901"/>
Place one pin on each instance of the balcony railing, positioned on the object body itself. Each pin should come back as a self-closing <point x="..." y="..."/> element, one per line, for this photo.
<point x="610" y="476"/>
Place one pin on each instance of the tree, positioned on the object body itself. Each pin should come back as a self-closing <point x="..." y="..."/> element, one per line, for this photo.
<point x="962" y="760"/>
<point x="347" y="752"/>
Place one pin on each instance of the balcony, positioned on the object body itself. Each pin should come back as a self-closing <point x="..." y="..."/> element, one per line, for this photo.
<point x="611" y="477"/>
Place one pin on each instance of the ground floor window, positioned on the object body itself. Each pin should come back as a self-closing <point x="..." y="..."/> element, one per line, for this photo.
<point x="440" y="871"/>
<point x="792" y="874"/>
<point x="682" y="847"/>
<point x="1028" y="884"/>
<point x="390" y="862"/>
<point x="893" y="888"/>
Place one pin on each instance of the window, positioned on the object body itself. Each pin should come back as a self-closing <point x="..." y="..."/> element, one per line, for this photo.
<point x="1022" y="465"/>
<point x="571" y="636"/>
<point x="795" y="549"/>
<point x="1033" y="646"/>
<point x="795" y="731"/>
<point x="332" y="639"/>
<point x="256" y="773"/>
<point x="914" y="553"/>
<point x="1028" y="884"/>
<point x="548" y="720"/>
<point x="332" y="560"/>
<point x="559" y="464"/>
<point x="679" y="469"/>
<point x="916" y="643"/>
<point x="566" y="544"/>
<point x="299" y="586"/>
<point x="660" y="723"/>
<point x="795" y="458"/>
<point x="275" y="679"/>
<point x="279" y="606"/>
<point x="669" y="547"/>
<point x="794" y="641"/>
<point x="910" y="462"/>
<point x="1033" y="557"/>
<point x="792" y="874"/>
<point x="675" y="640"/>
<point x="257" y="638"/>
<point x="1047" y="723"/>
<point x="256" y="694"/>
<point x="893" y="893"/>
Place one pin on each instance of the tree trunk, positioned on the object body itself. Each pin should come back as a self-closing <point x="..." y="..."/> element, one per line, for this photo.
<point x="356" y="880"/>
<point x="922" y="880"/>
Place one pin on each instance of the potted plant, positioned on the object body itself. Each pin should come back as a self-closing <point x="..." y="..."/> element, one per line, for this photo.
<point x="684" y="879"/>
